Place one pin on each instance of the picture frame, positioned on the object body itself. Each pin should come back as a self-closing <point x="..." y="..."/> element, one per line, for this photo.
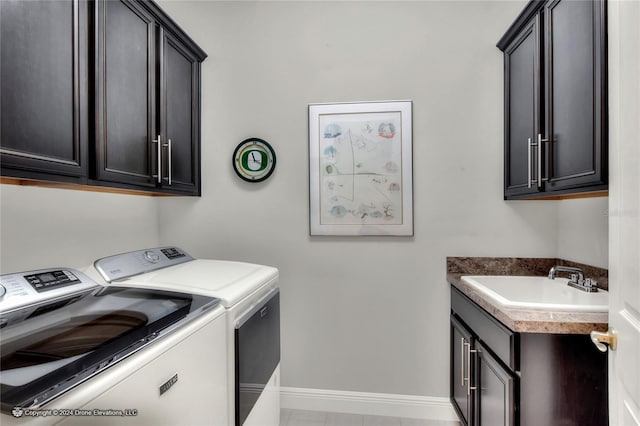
<point x="360" y="169"/>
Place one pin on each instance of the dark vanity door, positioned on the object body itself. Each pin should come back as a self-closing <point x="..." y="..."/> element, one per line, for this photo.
<point x="43" y="69"/>
<point x="576" y="87"/>
<point x="522" y="107"/>
<point x="461" y="371"/>
<point x="125" y="93"/>
<point x="496" y="391"/>
<point x="180" y="116"/>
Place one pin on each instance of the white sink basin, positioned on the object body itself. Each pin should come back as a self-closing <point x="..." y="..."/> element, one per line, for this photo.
<point x="538" y="293"/>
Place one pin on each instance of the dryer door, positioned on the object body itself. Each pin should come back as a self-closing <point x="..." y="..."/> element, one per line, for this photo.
<point x="257" y="352"/>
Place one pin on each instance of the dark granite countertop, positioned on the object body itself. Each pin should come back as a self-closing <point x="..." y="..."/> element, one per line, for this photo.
<point x="522" y="320"/>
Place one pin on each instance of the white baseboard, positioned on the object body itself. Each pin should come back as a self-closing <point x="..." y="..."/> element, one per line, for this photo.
<point x="377" y="404"/>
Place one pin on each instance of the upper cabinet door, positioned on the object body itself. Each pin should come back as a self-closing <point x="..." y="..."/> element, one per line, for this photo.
<point x="43" y="69"/>
<point x="180" y="115"/>
<point x="522" y="106"/>
<point x="576" y="88"/>
<point x="126" y="38"/>
<point x="555" y="75"/>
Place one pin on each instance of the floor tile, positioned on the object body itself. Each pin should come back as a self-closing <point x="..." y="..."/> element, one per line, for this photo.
<point x="381" y="421"/>
<point x="342" y="419"/>
<point x="285" y="413"/>
<point x="289" y="417"/>
<point x="306" y="418"/>
<point x="425" y="422"/>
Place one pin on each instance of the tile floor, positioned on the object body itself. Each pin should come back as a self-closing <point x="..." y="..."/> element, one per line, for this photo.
<point x="290" y="417"/>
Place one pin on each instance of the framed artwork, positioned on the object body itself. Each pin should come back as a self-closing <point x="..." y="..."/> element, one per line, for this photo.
<point x="360" y="165"/>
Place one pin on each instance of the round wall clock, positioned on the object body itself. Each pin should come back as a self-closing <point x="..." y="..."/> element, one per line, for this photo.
<point x="254" y="160"/>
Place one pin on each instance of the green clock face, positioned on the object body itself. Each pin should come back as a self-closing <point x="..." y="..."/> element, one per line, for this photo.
<point x="254" y="160"/>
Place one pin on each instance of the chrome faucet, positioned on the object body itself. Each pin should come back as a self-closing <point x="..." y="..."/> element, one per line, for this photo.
<point x="577" y="278"/>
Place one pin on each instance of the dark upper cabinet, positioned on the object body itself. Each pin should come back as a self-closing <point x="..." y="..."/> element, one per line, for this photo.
<point x="555" y="71"/>
<point x="125" y="101"/>
<point x="147" y="99"/>
<point x="43" y="73"/>
<point x="127" y="116"/>
<point x="522" y="110"/>
<point x="180" y="115"/>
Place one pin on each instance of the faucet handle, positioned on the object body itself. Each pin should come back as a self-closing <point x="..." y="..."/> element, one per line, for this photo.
<point x="591" y="283"/>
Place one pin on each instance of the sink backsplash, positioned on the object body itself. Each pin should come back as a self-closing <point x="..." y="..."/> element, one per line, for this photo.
<point x="520" y="266"/>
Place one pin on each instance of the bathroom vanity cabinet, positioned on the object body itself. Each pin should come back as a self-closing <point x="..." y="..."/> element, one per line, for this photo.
<point x="500" y="377"/>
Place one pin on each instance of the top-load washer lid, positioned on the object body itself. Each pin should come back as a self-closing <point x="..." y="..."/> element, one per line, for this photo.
<point x="58" y="342"/>
<point x="170" y="268"/>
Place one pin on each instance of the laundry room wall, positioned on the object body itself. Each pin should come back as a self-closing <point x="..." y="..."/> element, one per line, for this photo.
<point x="583" y="231"/>
<point x="48" y="227"/>
<point x="367" y="314"/>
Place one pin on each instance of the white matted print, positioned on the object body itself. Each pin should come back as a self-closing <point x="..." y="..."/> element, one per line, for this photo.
<point x="360" y="165"/>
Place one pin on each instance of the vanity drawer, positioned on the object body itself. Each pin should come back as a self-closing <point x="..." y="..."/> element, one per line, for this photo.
<point x="501" y="340"/>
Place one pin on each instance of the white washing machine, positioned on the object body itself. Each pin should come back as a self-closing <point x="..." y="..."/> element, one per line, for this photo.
<point x="250" y="295"/>
<point x="77" y="353"/>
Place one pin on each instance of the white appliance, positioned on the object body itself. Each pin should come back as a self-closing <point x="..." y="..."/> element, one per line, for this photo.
<point x="250" y="295"/>
<point x="74" y="352"/>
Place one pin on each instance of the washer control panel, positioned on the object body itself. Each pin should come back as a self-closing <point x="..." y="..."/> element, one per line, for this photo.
<point x="127" y="265"/>
<point x="49" y="280"/>
<point x="22" y="292"/>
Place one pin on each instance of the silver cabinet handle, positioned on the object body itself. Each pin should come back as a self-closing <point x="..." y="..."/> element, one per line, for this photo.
<point x="529" y="146"/>
<point x="469" y="387"/>
<point x="468" y="379"/>
<point x="168" y="145"/>
<point x="540" y="178"/>
<point x="462" y="378"/>
<point x="158" y="175"/>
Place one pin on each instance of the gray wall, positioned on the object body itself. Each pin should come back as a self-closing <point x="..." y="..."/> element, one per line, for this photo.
<point x="583" y="231"/>
<point x="46" y="227"/>
<point x="362" y="314"/>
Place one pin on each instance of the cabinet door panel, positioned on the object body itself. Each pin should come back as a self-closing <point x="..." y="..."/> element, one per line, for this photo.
<point x="522" y="103"/>
<point x="574" y="93"/>
<point x="180" y="117"/>
<point x="43" y="69"/>
<point x="462" y="401"/>
<point x="496" y="391"/>
<point x="126" y="93"/>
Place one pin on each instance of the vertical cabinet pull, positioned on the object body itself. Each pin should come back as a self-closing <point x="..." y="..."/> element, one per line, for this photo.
<point x="158" y="175"/>
<point x="160" y="145"/>
<point x="469" y="387"/>
<point x="168" y="145"/>
<point x="529" y="166"/>
<point x="462" y="378"/>
<point x="466" y="347"/>
<point x="539" y="179"/>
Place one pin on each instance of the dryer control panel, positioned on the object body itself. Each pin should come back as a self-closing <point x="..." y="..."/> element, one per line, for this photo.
<point x="138" y="262"/>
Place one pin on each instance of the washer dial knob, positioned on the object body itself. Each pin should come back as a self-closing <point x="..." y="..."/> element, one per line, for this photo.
<point x="151" y="256"/>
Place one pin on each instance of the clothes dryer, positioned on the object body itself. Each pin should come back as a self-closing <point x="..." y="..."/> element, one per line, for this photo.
<point x="250" y="295"/>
